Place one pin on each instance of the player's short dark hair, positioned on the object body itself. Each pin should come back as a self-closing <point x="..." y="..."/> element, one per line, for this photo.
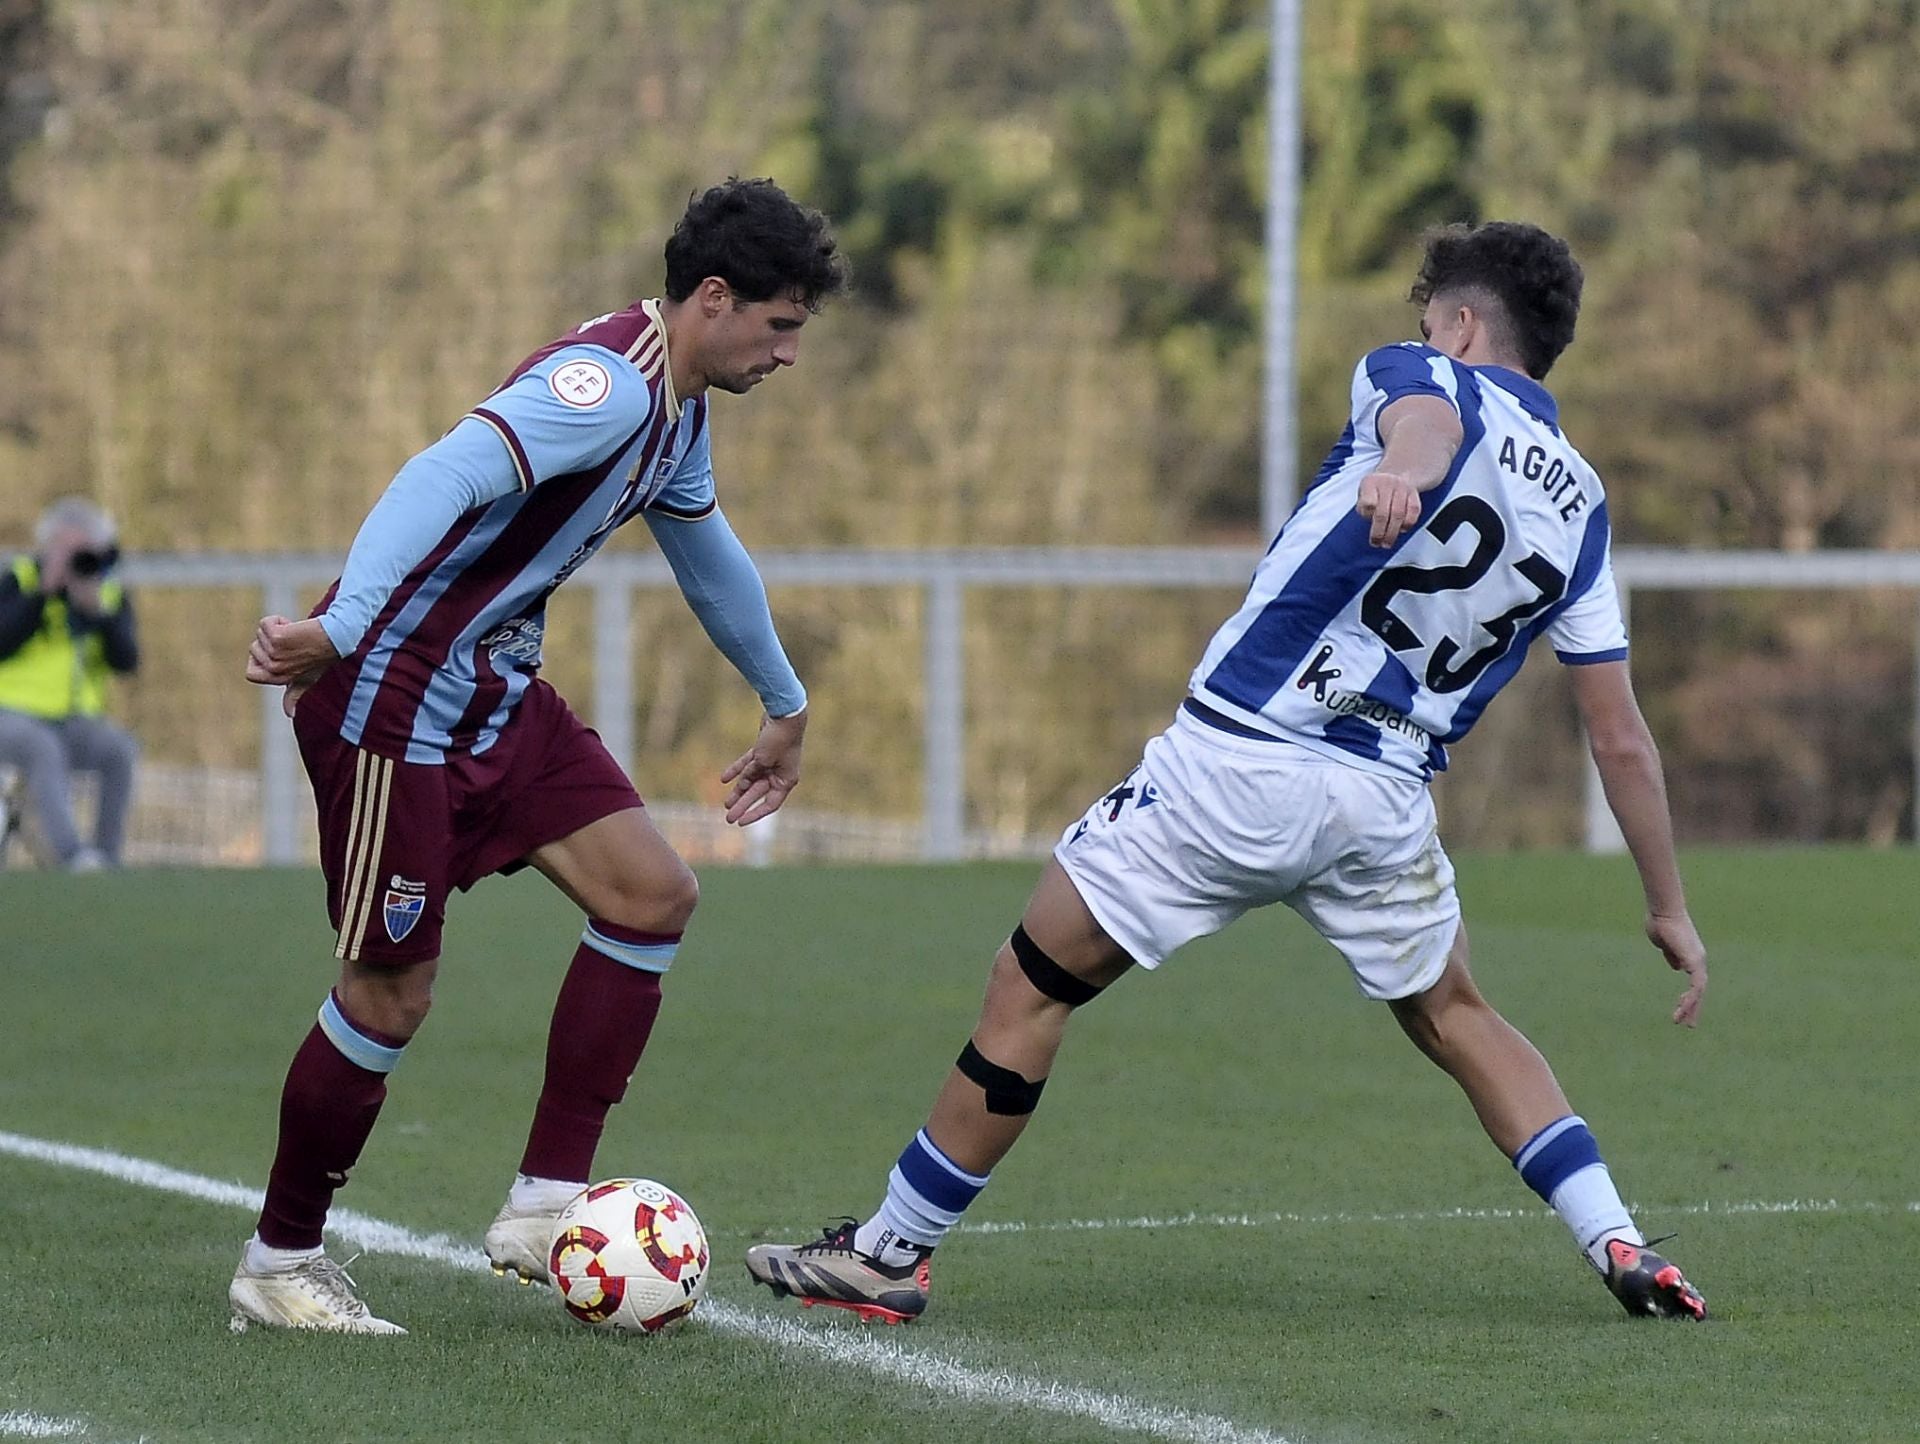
<point x="760" y="241"/>
<point x="1531" y="273"/>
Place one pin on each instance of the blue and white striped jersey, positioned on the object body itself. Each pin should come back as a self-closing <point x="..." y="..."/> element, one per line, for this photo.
<point x="1380" y="656"/>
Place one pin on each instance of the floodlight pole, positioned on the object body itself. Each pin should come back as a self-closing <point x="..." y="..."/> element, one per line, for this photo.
<point x="1278" y="442"/>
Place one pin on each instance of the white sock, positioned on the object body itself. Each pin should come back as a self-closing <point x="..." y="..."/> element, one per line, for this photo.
<point x="544" y="1195"/>
<point x="262" y="1259"/>
<point x="1590" y="1206"/>
<point x="879" y="1241"/>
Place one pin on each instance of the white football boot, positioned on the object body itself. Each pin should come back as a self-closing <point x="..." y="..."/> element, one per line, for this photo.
<point x="314" y="1293"/>
<point x="519" y="1239"/>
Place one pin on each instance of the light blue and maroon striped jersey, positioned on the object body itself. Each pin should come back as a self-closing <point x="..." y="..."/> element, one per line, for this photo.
<point x="595" y="435"/>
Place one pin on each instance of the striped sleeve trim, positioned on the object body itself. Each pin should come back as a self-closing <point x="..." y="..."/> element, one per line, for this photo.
<point x="521" y="465"/>
<point x="680" y="513"/>
<point x="1588" y="659"/>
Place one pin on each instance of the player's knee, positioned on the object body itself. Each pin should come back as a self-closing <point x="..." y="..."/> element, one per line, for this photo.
<point x="394" y="1001"/>
<point x="1026" y="977"/>
<point x="661" y="903"/>
<point x="1011" y="996"/>
<point x="1443" y="1021"/>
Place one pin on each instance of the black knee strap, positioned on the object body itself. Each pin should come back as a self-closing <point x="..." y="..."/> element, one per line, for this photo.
<point x="1047" y="975"/>
<point x="1008" y="1094"/>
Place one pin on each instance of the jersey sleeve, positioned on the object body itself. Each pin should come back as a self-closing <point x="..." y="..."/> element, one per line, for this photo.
<point x="1386" y="375"/>
<point x="569" y="412"/>
<point x="688" y="494"/>
<point x="723" y="587"/>
<point x="1591" y="627"/>
<point x="464" y="469"/>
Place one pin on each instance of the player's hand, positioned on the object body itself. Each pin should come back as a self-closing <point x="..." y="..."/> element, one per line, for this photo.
<point x="764" y="776"/>
<point x="1677" y="938"/>
<point x="288" y="653"/>
<point x="1391" y="502"/>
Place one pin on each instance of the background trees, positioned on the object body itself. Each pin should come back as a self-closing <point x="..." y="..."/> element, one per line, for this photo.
<point x="253" y="255"/>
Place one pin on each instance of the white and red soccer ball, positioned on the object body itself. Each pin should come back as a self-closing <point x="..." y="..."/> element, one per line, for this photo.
<point x="629" y="1254"/>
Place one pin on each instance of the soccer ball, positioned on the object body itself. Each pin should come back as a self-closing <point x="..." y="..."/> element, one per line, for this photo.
<point x="629" y="1254"/>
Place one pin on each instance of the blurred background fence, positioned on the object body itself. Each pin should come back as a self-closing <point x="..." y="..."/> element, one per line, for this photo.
<point x="254" y="254"/>
<point x="246" y="812"/>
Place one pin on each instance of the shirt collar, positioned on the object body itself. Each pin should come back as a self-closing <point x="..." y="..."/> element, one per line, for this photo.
<point x="649" y="357"/>
<point x="1530" y="393"/>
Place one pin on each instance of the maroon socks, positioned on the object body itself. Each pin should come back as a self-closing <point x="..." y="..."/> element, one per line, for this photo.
<point x="600" y="1027"/>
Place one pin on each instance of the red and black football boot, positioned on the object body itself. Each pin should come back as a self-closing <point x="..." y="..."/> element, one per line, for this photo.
<point x="1646" y="1283"/>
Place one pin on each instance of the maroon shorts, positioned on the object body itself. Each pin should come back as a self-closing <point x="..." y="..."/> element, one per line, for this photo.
<point x="396" y="837"/>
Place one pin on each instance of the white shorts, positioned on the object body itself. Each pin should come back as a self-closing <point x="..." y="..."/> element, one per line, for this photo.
<point x="1210" y="825"/>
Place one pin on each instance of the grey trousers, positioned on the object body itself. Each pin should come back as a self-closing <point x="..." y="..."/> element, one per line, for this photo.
<point x="49" y="753"/>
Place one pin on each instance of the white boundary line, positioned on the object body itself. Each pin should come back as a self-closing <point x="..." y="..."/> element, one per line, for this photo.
<point x="16" y="1425"/>
<point x="888" y="1360"/>
<point x="1654" y="1211"/>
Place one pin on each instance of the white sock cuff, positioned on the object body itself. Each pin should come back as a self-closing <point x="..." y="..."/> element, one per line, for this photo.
<point x="530" y="1192"/>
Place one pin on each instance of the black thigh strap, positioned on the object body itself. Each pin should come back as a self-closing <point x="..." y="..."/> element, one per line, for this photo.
<point x="1047" y="975"/>
<point x="1007" y="1092"/>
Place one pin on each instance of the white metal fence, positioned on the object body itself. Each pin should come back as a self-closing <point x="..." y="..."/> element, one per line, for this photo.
<point x="276" y="795"/>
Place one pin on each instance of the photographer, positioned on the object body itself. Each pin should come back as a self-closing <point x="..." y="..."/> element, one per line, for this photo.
<point x="65" y="623"/>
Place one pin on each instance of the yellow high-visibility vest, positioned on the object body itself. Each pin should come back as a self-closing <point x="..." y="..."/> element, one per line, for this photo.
<point x="55" y="675"/>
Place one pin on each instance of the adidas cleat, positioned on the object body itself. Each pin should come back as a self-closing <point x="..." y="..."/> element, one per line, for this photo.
<point x="314" y="1294"/>
<point x="518" y="1241"/>
<point x="1646" y="1283"/>
<point x="831" y="1271"/>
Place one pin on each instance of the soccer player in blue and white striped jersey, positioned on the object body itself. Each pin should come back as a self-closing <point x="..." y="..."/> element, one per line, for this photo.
<point x="1452" y="525"/>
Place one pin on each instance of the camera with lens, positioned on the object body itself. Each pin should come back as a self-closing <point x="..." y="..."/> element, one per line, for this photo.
<point x="94" y="561"/>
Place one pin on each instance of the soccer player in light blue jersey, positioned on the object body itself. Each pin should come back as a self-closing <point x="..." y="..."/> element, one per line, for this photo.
<point x="1452" y="525"/>
<point x="438" y="756"/>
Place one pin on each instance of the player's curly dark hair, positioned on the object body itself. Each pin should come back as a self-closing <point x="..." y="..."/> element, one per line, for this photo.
<point x="760" y="241"/>
<point x="1531" y="273"/>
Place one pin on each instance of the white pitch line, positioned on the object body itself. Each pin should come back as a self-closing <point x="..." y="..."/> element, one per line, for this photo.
<point x="884" y="1358"/>
<point x="16" y="1425"/>
<point x="1436" y="1215"/>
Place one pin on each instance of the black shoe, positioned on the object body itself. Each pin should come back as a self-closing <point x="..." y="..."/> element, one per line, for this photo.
<point x="1646" y="1283"/>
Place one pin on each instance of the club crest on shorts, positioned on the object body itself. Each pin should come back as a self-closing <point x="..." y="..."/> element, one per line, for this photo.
<point x="406" y="901"/>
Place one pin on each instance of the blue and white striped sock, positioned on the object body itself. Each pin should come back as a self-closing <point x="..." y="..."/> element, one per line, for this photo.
<point x="1562" y="1164"/>
<point x="926" y="1194"/>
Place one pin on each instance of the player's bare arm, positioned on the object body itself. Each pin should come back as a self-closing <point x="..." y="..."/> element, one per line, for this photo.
<point x="1629" y="763"/>
<point x="1421" y="435"/>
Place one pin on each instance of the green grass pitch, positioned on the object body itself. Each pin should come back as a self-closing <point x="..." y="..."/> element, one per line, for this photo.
<point x="1394" y="1281"/>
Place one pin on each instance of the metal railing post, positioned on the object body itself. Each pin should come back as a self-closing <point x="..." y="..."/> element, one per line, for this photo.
<point x="278" y="783"/>
<point x="1603" y="833"/>
<point x="945" y="806"/>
